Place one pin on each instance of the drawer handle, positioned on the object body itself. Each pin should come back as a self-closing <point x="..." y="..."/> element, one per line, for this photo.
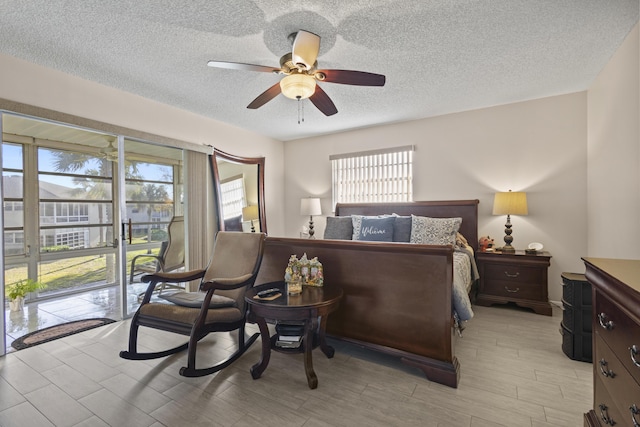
<point x="606" y="372"/>
<point x="604" y="414"/>
<point x="634" y="411"/>
<point x="506" y="273"/>
<point x="606" y="324"/>
<point x="633" y="350"/>
<point x="513" y="291"/>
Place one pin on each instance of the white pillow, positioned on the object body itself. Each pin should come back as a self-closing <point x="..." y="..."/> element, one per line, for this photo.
<point x="434" y="231"/>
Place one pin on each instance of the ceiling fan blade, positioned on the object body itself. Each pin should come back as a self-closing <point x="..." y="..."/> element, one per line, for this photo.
<point x="243" y="67"/>
<point x="265" y="96"/>
<point x="350" y="77"/>
<point x="322" y="101"/>
<point x="305" y="49"/>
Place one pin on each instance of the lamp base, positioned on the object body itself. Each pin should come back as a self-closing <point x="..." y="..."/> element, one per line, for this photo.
<point x="311" y="230"/>
<point x="507" y="236"/>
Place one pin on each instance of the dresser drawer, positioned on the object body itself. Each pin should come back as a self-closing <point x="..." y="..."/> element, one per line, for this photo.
<point x="605" y="408"/>
<point x="623" y="389"/>
<point x="620" y="332"/>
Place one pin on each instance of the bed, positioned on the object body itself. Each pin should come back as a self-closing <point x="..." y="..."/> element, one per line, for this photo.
<point x="397" y="296"/>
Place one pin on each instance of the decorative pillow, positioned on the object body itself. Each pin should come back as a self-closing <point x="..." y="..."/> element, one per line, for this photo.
<point x="356" y="223"/>
<point x="195" y="299"/>
<point x="338" y="227"/>
<point x="377" y="229"/>
<point x="434" y="231"/>
<point x="402" y="229"/>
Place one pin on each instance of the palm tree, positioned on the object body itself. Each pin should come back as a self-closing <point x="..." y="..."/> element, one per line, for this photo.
<point x="147" y="195"/>
<point x="96" y="184"/>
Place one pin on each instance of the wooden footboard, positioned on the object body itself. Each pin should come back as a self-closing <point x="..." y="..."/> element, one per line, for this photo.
<point x="397" y="297"/>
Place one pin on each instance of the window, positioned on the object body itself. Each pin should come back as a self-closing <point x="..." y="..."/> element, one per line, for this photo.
<point x="233" y="196"/>
<point x="373" y="176"/>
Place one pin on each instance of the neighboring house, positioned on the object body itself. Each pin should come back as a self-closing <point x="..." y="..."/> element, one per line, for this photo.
<point x="63" y="213"/>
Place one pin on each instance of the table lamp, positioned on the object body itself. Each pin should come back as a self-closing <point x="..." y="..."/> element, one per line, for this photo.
<point x="509" y="203"/>
<point x="310" y="206"/>
<point x="250" y="213"/>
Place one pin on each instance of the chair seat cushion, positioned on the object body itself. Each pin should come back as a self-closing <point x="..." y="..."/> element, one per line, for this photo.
<point x="195" y="299"/>
<point x="187" y="315"/>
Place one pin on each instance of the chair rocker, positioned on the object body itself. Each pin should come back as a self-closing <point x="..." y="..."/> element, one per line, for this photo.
<point x="218" y="306"/>
<point x="169" y="258"/>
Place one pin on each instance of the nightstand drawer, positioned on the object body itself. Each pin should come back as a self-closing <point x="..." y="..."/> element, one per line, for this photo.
<point x="512" y="289"/>
<point x="514" y="273"/>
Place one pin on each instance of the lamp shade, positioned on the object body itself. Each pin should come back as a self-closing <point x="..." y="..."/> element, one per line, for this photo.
<point x="510" y="203"/>
<point x="250" y="213"/>
<point x="310" y="206"/>
<point x="298" y="86"/>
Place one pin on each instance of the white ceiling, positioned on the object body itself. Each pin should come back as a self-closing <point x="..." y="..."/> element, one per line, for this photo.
<point x="439" y="56"/>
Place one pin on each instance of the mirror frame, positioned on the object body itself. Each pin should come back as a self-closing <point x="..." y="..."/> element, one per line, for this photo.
<point x="259" y="162"/>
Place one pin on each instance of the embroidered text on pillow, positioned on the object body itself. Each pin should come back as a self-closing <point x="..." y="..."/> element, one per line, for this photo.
<point x="366" y="231"/>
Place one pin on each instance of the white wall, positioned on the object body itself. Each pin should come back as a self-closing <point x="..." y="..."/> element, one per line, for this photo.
<point x="27" y="83"/>
<point x="537" y="146"/>
<point x="614" y="156"/>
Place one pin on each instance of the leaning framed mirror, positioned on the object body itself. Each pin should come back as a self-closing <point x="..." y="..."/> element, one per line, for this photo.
<point x="239" y="191"/>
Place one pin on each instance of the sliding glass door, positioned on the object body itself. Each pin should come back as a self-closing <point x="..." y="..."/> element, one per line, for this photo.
<point x="78" y="206"/>
<point x="152" y="197"/>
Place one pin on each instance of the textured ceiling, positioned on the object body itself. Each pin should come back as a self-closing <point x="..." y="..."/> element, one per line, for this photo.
<point x="439" y="56"/>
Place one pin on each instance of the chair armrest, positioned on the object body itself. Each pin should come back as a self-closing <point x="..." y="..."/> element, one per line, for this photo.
<point x="177" y="277"/>
<point x="153" y="279"/>
<point x="227" y="282"/>
<point x="157" y="257"/>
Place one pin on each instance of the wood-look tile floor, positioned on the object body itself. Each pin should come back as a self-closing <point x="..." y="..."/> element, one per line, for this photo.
<point x="513" y="373"/>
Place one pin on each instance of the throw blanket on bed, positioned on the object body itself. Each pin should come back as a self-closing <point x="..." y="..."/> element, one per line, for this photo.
<point x="465" y="273"/>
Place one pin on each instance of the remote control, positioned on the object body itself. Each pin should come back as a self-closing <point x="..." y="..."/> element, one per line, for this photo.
<point x="268" y="292"/>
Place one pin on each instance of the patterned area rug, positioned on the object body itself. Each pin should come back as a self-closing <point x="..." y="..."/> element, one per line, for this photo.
<point x="58" y="331"/>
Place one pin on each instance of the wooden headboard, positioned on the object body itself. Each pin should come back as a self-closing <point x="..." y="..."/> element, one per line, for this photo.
<point x="465" y="209"/>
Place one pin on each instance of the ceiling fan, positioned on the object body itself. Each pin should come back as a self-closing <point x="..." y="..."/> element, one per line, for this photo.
<point x="110" y="152"/>
<point x="301" y="72"/>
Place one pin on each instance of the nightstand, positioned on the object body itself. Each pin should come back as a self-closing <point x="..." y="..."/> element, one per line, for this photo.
<point x="514" y="277"/>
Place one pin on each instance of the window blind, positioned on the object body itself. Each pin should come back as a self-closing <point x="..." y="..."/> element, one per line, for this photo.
<point x="233" y="196"/>
<point x="373" y="176"/>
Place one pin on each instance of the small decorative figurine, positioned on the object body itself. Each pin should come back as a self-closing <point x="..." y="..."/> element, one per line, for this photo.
<point x="484" y="243"/>
<point x="303" y="272"/>
<point x="316" y="276"/>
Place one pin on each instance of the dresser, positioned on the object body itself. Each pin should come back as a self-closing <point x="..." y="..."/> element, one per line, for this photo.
<point x="514" y="277"/>
<point x="616" y="342"/>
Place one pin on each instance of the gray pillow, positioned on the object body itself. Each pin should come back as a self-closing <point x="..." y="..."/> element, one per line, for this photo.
<point x="434" y="231"/>
<point x="377" y="229"/>
<point x="194" y="300"/>
<point x="338" y="228"/>
<point x="402" y="229"/>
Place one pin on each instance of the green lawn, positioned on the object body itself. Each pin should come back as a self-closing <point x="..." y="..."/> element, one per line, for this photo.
<point x="73" y="272"/>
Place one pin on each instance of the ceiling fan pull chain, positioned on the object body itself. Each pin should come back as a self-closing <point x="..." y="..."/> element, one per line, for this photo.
<point x="300" y="110"/>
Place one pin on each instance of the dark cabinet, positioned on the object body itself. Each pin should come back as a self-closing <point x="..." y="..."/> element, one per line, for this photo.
<point x="576" y="317"/>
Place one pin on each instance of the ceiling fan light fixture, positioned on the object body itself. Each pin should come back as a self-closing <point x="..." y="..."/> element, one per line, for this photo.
<point x="298" y="86"/>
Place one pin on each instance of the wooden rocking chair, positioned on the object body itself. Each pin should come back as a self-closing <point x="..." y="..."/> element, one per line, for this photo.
<point x="218" y="306"/>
